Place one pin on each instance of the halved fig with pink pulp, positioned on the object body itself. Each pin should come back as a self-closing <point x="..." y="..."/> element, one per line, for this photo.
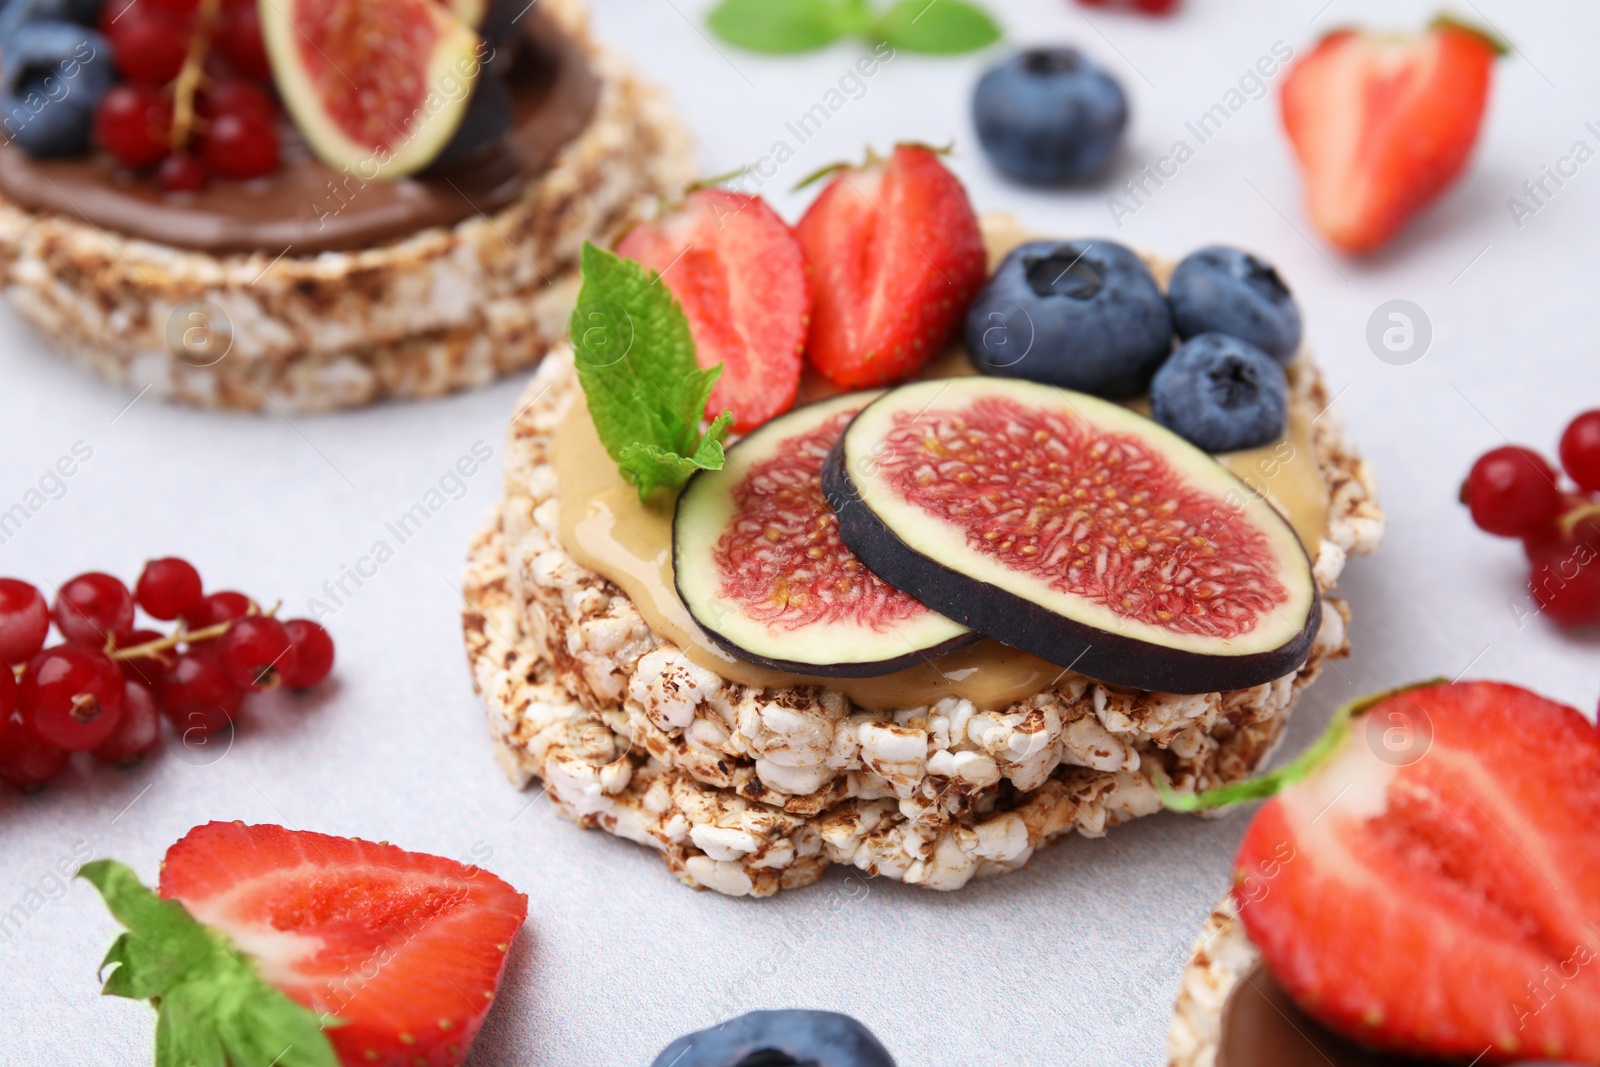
<point x="377" y="87"/>
<point x="1074" y="529"/>
<point x="759" y="564"/>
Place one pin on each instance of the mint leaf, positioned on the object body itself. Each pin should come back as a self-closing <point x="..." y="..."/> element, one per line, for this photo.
<point x="213" y="1008"/>
<point x="780" y="25"/>
<point x="635" y="361"/>
<point x="939" y="27"/>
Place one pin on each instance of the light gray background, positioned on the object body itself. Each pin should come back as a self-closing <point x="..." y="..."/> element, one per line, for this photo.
<point x="1073" y="960"/>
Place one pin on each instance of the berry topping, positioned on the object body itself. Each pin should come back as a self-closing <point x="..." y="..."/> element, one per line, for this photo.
<point x="52" y="73"/>
<point x="1580" y="451"/>
<point x="169" y="588"/>
<point x="777" y="1038"/>
<point x="24" y="621"/>
<point x="72" y="697"/>
<point x="238" y="37"/>
<point x="198" y="696"/>
<point x="1224" y="290"/>
<point x="324" y="907"/>
<point x="138" y="732"/>
<point x="93" y="609"/>
<point x="1512" y="491"/>
<point x="1049" y="116"/>
<point x="1221" y="394"/>
<point x="1083" y="315"/>
<point x="1383" y="124"/>
<point x="896" y="256"/>
<point x="312" y="657"/>
<point x="1427" y="880"/>
<point x="254" y="650"/>
<point x="241" y="146"/>
<point x="26" y="760"/>
<point x="738" y="271"/>
<point x="148" y="44"/>
<point x="134" y="124"/>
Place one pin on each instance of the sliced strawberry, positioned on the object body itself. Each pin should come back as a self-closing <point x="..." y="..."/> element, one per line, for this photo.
<point x="737" y="270"/>
<point x="896" y="256"/>
<point x="1382" y="125"/>
<point x="1441" y="899"/>
<point x="405" y="949"/>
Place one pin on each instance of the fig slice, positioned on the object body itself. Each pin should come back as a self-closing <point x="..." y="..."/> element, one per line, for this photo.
<point x="758" y="562"/>
<point x="377" y="87"/>
<point x="1077" y="530"/>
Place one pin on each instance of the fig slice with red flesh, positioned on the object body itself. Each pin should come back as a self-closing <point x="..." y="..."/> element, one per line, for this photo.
<point x="1077" y="530"/>
<point x="377" y="87"/>
<point x="758" y="562"/>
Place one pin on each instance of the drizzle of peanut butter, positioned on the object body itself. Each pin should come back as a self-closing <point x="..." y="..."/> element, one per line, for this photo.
<point x="606" y="529"/>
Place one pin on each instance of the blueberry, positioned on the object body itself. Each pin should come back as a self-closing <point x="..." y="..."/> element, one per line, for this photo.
<point x="488" y="117"/>
<point x="1228" y="291"/>
<point x="54" y="74"/>
<point x="1048" y="116"/>
<point x="1222" y="394"/>
<point x="779" y="1039"/>
<point x="15" y="13"/>
<point x="1083" y="315"/>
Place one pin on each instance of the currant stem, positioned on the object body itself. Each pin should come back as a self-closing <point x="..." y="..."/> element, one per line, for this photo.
<point x="1568" y="522"/>
<point x="152" y="648"/>
<point x="187" y="86"/>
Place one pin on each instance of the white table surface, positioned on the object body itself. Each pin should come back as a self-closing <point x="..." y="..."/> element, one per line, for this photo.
<point x="1073" y="960"/>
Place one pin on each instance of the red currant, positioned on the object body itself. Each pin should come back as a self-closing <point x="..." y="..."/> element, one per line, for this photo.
<point x="27" y="761"/>
<point x="146" y="669"/>
<point x="197" y="695"/>
<point x="8" y="693"/>
<point x="181" y="174"/>
<point x="232" y="96"/>
<point x="24" y="621"/>
<point x="312" y="660"/>
<point x="148" y="45"/>
<point x="176" y="9"/>
<point x="72" y="697"/>
<point x="1580" y="450"/>
<point x="93" y="608"/>
<point x="1155" y="7"/>
<point x="1566" y="583"/>
<point x="134" y="124"/>
<point x="218" y="608"/>
<point x="254" y="650"/>
<point x="241" y="146"/>
<point x="1512" y="491"/>
<point x="139" y="730"/>
<point x="239" y="38"/>
<point x="168" y="588"/>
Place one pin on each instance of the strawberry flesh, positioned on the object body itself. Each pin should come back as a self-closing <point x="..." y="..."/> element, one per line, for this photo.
<point x="737" y="270"/>
<point x="405" y="949"/>
<point x="1446" y="905"/>
<point x="896" y="256"/>
<point x="1383" y="125"/>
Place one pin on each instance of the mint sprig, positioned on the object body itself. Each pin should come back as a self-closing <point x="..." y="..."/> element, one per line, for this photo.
<point x="1274" y="782"/>
<point x="937" y="27"/>
<point x="212" y="1007"/>
<point x="636" y="364"/>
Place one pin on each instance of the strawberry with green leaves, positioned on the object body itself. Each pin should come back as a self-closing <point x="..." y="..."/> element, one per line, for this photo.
<point x="1426" y="880"/>
<point x="268" y="946"/>
<point x="1383" y="124"/>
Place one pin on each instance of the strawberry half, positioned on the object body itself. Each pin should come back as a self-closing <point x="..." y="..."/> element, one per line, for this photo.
<point x="1382" y="125"/>
<point x="292" y="948"/>
<point x="1443" y="901"/>
<point x="737" y="270"/>
<point x="896" y="256"/>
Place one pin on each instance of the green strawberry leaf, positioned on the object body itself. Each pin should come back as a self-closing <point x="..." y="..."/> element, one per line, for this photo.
<point x="938" y="27"/>
<point x="780" y="26"/>
<point x="213" y="1008"/>
<point x="635" y="361"/>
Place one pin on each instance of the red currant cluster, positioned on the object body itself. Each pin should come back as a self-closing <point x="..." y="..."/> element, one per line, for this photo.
<point x="1148" y="7"/>
<point x="1515" y="492"/>
<point x="197" y="100"/>
<point x="104" y="688"/>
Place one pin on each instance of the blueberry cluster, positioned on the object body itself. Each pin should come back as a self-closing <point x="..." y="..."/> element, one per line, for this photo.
<point x="1088" y="315"/>
<point x="788" y="1038"/>
<point x="54" y="68"/>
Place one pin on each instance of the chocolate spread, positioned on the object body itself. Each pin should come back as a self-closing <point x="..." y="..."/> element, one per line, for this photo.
<point x="1262" y="1027"/>
<point x="305" y="206"/>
